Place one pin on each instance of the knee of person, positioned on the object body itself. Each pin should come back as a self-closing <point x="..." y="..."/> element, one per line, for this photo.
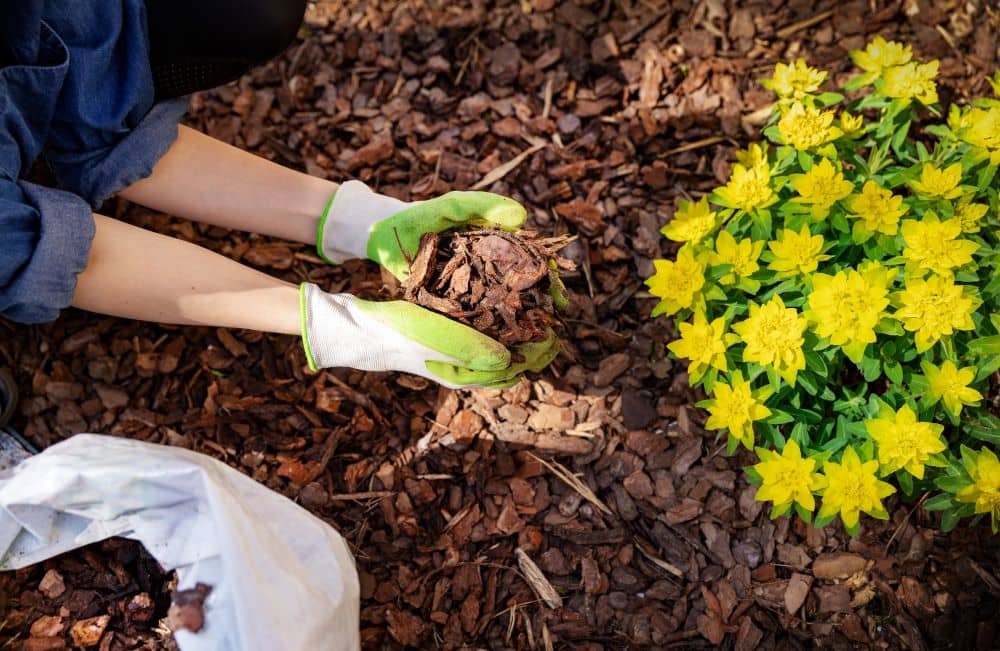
<point x="275" y="26"/>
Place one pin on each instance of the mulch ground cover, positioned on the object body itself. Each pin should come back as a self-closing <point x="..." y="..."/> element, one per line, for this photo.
<point x="586" y="508"/>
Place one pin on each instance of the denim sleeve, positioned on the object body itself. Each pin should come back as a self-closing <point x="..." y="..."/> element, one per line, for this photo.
<point x="106" y="132"/>
<point x="46" y="241"/>
<point x="97" y="173"/>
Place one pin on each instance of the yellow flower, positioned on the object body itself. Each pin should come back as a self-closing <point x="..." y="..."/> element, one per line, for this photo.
<point x="735" y="407"/>
<point x="912" y="80"/>
<point x="851" y="124"/>
<point x="878" y="208"/>
<point x="951" y="384"/>
<point x="787" y="478"/>
<point x="795" y="80"/>
<point x="969" y="215"/>
<point x="755" y="154"/>
<point x="846" y="307"/>
<point x="881" y="54"/>
<point x="676" y="283"/>
<point x="984" y="491"/>
<point x="981" y="129"/>
<point x="939" y="184"/>
<point x="796" y="253"/>
<point x="806" y="127"/>
<point x="773" y="337"/>
<point x="748" y="187"/>
<point x="692" y="221"/>
<point x="903" y="441"/>
<point x="936" y="246"/>
<point x="995" y="82"/>
<point x="821" y="187"/>
<point x="934" y="308"/>
<point x="742" y="255"/>
<point x="704" y="344"/>
<point x="852" y="488"/>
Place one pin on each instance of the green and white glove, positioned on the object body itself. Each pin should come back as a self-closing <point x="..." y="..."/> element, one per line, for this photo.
<point x="360" y="223"/>
<point x="341" y="330"/>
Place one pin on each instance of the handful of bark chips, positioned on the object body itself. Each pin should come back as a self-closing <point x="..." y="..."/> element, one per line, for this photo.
<point x="505" y="285"/>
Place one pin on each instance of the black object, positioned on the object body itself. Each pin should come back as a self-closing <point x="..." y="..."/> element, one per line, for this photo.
<point x="8" y="397"/>
<point x="199" y="44"/>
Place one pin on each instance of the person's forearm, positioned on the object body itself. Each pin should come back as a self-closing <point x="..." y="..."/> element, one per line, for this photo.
<point x="206" y="180"/>
<point x="138" y="274"/>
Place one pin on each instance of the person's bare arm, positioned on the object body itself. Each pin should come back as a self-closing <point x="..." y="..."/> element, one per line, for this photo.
<point x="138" y="274"/>
<point x="205" y="180"/>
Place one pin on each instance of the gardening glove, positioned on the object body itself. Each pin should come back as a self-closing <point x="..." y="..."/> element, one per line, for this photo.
<point x="360" y="223"/>
<point x="341" y="330"/>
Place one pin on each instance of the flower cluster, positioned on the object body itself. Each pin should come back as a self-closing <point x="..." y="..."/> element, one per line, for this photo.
<point x="838" y="299"/>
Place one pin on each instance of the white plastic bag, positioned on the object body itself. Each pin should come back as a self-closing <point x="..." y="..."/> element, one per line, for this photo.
<point x="281" y="578"/>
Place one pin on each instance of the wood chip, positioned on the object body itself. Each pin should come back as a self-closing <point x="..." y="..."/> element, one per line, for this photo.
<point x="536" y="579"/>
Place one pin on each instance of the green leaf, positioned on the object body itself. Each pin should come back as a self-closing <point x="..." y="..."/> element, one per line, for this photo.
<point x="949" y="520"/>
<point x="939" y="502"/>
<point x="779" y="510"/>
<point x="988" y="434"/>
<point x="894" y="372"/>
<point x="805" y="161"/>
<point x="871" y="368"/>
<point x="815" y="362"/>
<point x="899" y="138"/>
<point x="823" y="521"/>
<point x="951" y="484"/>
<point x="985" y="346"/>
<point x="779" y="417"/>
<point x="803" y="513"/>
<point x="808" y="382"/>
<point x="829" y="99"/>
<point x="799" y="435"/>
<point x="986" y="177"/>
<point x="987" y="367"/>
<point x="840" y="223"/>
<point x="905" y="482"/>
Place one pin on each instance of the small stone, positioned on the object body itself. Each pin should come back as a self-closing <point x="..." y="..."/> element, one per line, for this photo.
<point x="52" y="585"/>
<point x="88" y="632"/>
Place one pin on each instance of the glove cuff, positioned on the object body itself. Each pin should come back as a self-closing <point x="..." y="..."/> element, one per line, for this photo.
<point x="323" y="314"/>
<point x="346" y="224"/>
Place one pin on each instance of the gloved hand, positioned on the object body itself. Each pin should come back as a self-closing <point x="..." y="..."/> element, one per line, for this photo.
<point x="360" y="223"/>
<point x="341" y="330"/>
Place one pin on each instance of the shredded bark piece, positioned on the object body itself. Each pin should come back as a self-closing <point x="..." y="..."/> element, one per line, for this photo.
<point x="494" y="281"/>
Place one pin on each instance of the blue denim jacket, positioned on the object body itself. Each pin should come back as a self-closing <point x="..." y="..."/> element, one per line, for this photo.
<point x="75" y="87"/>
